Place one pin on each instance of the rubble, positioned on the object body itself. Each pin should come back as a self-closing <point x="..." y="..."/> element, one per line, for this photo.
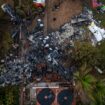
<point x="7" y="8"/>
<point x="43" y="49"/>
<point x="45" y="53"/>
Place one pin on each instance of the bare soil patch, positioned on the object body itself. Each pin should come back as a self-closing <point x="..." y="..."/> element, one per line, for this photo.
<point x="54" y="18"/>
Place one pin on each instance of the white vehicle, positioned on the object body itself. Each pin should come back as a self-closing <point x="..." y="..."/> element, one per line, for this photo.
<point x="98" y="32"/>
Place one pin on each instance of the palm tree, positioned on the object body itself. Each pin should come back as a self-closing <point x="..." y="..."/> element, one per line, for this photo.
<point x="84" y="85"/>
<point x="99" y="92"/>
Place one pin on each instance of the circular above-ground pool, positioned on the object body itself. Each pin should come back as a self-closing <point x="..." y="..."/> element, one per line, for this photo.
<point x="65" y="97"/>
<point x="45" y="97"/>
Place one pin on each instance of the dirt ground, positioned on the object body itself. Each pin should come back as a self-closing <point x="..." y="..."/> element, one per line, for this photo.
<point x="56" y="18"/>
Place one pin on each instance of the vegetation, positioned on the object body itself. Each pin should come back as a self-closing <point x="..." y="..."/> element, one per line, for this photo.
<point x="89" y="89"/>
<point x="84" y="84"/>
<point x="5" y="37"/>
<point x="101" y="48"/>
<point x="85" y="52"/>
<point x="99" y="92"/>
<point x="24" y="8"/>
<point x="9" y="95"/>
<point x="100" y="17"/>
<point x="5" y="43"/>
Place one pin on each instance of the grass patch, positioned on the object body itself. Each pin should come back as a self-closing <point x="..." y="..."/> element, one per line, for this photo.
<point x="101" y="17"/>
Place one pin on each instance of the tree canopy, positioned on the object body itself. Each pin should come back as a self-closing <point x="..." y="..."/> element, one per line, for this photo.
<point x="5" y="43"/>
<point x="9" y="95"/>
<point x="101" y="49"/>
<point x="84" y="52"/>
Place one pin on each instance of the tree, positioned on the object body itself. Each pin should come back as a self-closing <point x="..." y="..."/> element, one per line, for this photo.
<point x="88" y="89"/>
<point x="24" y="8"/>
<point x="84" y="84"/>
<point x="9" y="98"/>
<point x="99" y="92"/>
<point x="1" y="12"/>
<point x="101" y="59"/>
<point x="5" y="37"/>
<point x="84" y="52"/>
<point x="5" y="43"/>
<point x="9" y="95"/>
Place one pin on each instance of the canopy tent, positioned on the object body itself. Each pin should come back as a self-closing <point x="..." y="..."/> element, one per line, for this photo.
<point x="39" y="3"/>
